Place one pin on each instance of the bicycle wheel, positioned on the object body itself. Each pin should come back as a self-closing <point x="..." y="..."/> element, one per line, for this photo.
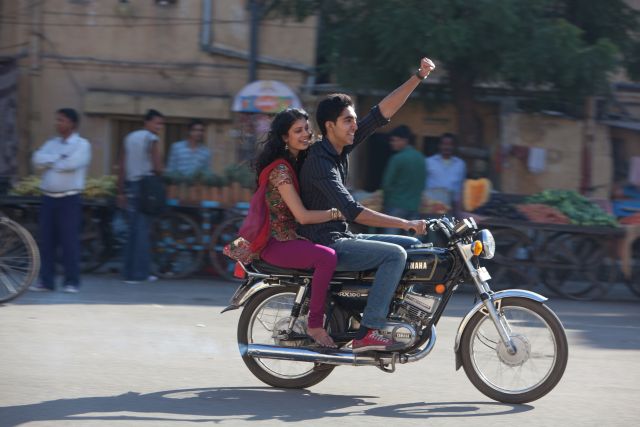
<point x="224" y="233"/>
<point x="177" y="248"/>
<point x="19" y="259"/>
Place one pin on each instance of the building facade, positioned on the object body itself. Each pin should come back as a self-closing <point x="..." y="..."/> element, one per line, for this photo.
<point x="112" y="60"/>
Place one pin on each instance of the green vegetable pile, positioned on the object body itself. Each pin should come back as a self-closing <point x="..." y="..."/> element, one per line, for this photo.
<point x="578" y="208"/>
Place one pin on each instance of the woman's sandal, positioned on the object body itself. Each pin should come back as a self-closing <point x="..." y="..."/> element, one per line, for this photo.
<point x="321" y="337"/>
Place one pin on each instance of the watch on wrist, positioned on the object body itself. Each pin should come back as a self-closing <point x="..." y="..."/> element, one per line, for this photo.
<point x="417" y="74"/>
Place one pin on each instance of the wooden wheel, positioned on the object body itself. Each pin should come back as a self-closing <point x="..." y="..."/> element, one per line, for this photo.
<point x="176" y="245"/>
<point x="224" y="233"/>
<point x="573" y="267"/>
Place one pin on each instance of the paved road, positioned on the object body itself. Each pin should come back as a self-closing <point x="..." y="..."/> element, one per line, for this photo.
<point x="160" y="354"/>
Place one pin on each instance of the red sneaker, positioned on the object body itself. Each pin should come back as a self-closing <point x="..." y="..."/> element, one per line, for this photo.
<point x="374" y="341"/>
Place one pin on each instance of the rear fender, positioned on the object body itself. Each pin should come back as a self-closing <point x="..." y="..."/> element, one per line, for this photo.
<point x="509" y="293"/>
<point x="247" y="290"/>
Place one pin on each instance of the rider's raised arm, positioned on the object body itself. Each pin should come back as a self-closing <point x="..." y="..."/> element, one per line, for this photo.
<point x="396" y="99"/>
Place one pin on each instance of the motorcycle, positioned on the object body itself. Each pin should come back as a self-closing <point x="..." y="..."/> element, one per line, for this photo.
<point x="513" y="347"/>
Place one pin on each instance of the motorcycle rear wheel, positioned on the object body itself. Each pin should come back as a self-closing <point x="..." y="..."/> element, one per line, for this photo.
<point x="266" y="311"/>
<point x="535" y="368"/>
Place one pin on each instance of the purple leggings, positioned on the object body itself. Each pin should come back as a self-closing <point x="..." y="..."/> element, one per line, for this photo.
<point x="303" y="254"/>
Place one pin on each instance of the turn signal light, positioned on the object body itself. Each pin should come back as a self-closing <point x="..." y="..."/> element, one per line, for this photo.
<point x="238" y="271"/>
<point x="440" y="288"/>
<point x="476" y="247"/>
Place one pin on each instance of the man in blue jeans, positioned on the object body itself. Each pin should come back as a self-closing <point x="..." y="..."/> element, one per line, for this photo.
<point x="322" y="186"/>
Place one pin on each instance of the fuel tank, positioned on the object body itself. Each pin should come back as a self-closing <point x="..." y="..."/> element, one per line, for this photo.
<point x="428" y="264"/>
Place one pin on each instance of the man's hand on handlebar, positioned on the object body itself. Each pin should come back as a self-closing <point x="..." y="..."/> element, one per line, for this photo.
<point x="418" y="226"/>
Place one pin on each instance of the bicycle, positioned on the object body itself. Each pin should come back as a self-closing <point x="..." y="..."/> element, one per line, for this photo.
<point x="19" y="259"/>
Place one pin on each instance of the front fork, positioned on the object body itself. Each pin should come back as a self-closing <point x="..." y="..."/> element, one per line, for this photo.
<point x="486" y="295"/>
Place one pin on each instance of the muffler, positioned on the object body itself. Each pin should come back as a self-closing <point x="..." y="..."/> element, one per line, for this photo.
<point x="336" y="357"/>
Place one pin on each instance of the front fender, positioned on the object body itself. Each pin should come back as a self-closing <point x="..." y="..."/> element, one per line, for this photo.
<point x="245" y="292"/>
<point x="509" y="293"/>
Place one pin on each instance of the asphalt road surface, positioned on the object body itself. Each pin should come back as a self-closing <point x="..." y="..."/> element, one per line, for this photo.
<point x="161" y="354"/>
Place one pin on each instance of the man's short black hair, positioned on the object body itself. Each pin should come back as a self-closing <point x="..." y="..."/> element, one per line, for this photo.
<point x="330" y="108"/>
<point x="151" y="114"/>
<point x="195" y="122"/>
<point x="70" y="114"/>
<point x="450" y="136"/>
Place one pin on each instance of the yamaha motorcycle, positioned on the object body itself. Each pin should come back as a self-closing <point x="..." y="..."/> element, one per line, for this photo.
<point x="513" y="348"/>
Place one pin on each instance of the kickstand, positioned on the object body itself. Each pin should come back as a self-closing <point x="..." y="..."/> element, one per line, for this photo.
<point x="384" y="367"/>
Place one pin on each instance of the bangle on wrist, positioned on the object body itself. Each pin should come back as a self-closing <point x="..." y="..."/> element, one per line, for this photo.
<point x="417" y="74"/>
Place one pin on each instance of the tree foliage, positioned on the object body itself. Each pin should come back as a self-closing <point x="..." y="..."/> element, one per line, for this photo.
<point x="566" y="47"/>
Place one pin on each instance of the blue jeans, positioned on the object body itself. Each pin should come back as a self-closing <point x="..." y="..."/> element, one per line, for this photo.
<point x="60" y="223"/>
<point x="387" y="254"/>
<point x="137" y="250"/>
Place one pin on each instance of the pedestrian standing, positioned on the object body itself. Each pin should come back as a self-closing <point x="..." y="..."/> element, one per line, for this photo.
<point x="63" y="161"/>
<point x="190" y="156"/>
<point x="446" y="174"/>
<point x="139" y="156"/>
<point x="404" y="176"/>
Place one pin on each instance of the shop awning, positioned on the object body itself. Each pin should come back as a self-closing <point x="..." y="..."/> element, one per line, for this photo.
<point x="265" y="96"/>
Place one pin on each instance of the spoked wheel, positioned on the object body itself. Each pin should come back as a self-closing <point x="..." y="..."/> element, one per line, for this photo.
<point x="177" y="248"/>
<point x="266" y="314"/>
<point x="634" y="281"/>
<point x="19" y="259"/>
<point x="224" y="233"/>
<point x="511" y="265"/>
<point x="538" y="363"/>
<point x="574" y="266"/>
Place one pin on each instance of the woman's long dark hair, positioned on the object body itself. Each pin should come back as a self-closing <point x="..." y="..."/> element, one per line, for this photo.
<point x="274" y="147"/>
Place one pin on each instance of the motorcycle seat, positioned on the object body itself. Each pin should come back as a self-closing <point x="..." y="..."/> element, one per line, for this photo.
<point x="261" y="266"/>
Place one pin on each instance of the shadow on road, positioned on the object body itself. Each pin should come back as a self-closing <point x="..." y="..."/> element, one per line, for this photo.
<point x="249" y="404"/>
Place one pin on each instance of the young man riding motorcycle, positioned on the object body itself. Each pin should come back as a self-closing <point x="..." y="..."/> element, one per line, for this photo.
<point x="322" y="186"/>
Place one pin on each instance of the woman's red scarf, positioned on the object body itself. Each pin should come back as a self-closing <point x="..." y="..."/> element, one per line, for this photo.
<point x="256" y="227"/>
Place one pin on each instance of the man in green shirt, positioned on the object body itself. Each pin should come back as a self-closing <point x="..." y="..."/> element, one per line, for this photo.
<point x="404" y="177"/>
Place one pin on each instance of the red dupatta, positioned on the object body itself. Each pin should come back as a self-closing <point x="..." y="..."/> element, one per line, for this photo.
<point x="256" y="227"/>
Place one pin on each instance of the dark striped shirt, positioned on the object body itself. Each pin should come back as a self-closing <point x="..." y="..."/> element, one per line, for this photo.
<point x="322" y="182"/>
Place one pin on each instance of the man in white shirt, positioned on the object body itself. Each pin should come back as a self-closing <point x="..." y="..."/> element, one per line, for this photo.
<point x="63" y="161"/>
<point x="446" y="173"/>
<point x="139" y="156"/>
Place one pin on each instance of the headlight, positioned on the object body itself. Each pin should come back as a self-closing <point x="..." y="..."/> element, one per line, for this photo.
<point x="488" y="244"/>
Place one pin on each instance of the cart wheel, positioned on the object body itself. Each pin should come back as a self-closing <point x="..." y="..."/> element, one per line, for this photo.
<point x="574" y="266"/>
<point x="92" y="241"/>
<point x="634" y="282"/>
<point x="511" y="267"/>
<point x="224" y="233"/>
<point x="177" y="245"/>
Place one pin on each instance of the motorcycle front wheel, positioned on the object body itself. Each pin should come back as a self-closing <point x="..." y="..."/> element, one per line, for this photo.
<point x="262" y="317"/>
<point x="538" y="363"/>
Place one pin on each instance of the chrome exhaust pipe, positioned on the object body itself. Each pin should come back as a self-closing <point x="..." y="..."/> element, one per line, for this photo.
<point x="331" y="357"/>
<point x="335" y="357"/>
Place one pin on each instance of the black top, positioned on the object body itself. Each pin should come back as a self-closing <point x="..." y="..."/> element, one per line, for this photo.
<point x="322" y="182"/>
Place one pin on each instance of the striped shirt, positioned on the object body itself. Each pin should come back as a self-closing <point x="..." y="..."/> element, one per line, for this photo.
<point x="186" y="160"/>
<point x="322" y="182"/>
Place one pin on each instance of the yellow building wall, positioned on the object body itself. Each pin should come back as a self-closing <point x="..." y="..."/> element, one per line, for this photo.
<point x="563" y="139"/>
<point x="112" y="61"/>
